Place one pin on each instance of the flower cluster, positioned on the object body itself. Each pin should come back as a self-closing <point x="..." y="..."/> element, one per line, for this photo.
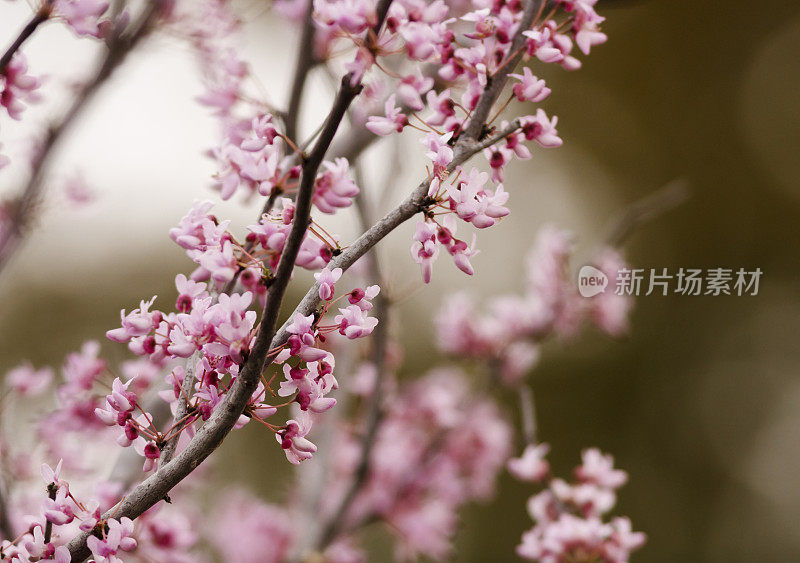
<point x="17" y="86"/>
<point x="84" y="17"/>
<point x="569" y="517"/>
<point x="509" y="332"/>
<point x="215" y="331"/>
<point x="61" y="514"/>
<point x="415" y="492"/>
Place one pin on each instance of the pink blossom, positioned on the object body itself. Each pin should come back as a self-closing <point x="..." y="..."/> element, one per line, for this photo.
<point x="118" y="538"/>
<point x="333" y="188"/>
<point x="411" y="88"/>
<point x="293" y="439"/>
<point x="475" y="204"/>
<point x="394" y="121"/>
<point x="27" y="381"/>
<point x="17" y="85"/>
<point x="439" y="150"/>
<point x="599" y="469"/>
<point x="138" y="322"/>
<point x="354" y="322"/>
<point x="541" y="129"/>
<point x="326" y="278"/>
<point x="59" y="510"/>
<point x="188" y="291"/>
<point x="530" y="88"/>
<point x="363" y="297"/>
<point x="531" y="466"/>
<point x="83" y="16"/>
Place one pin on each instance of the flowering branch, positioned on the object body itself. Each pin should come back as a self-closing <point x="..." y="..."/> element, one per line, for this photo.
<point x="210" y="435"/>
<point x="465" y="149"/>
<point x="460" y="62"/>
<point x="498" y="81"/>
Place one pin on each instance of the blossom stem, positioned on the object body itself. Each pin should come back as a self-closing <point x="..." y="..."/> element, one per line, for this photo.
<point x="527" y="409"/>
<point x="499" y="111"/>
<point x="52" y="489"/>
<point x="182" y="411"/>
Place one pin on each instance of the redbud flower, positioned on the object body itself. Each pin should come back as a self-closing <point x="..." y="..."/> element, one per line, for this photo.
<point x="16" y="85"/>
<point x="138" y="322"/>
<point x="333" y="188"/>
<point x="531" y="466"/>
<point x="439" y="151"/>
<point x="354" y="322"/>
<point x="59" y="510"/>
<point x="326" y="279"/>
<point x="363" y="297"/>
<point x="530" y="88"/>
<point x="27" y="381"/>
<point x="394" y="121"/>
<point x="51" y="476"/>
<point x="188" y="291"/>
<point x="83" y="15"/>
<point x="151" y="454"/>
<point x="541" y="129"/>
<point x="118" y="538"/>
<point x="599" y="469"/>
<point x="424" y="248"/>
<point x="412" y="87"/>
<point x="442" y="106"/>
<point x="293" y="441"/>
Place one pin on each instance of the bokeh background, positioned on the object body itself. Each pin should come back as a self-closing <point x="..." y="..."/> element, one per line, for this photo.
<point x="700" y="404"/>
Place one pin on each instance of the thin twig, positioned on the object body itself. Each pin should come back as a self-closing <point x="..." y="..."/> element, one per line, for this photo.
<point x="498" y="81"/>
<point x="646" y="209"/>
<point x="41" y="16"/>
<point x="380" y="337"/>
<point x="5" y="520"/>
<point x="528" y="413"/>
<point x="305" y="62"/>
<point x="182" y="410"/>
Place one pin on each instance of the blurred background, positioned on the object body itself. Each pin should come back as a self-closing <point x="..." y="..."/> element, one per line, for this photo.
<point x="700" y="404"/>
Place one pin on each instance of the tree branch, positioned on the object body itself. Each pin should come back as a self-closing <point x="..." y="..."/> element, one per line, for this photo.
<point x="380" y="337"/>
<point x="187" y="388"/>
<point x="498" y="80"/>
<point x="305" y="62"/>
<point x="464" y="150"/>
<point x="5" y="521"/>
